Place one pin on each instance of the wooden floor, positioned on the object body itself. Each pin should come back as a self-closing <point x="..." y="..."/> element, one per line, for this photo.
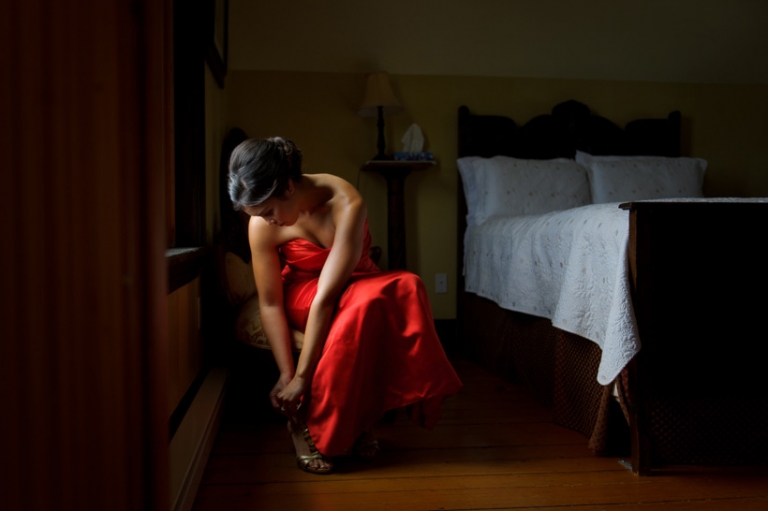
<point x="494" y="449"/>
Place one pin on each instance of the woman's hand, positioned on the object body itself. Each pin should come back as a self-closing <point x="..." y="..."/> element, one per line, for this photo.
<point x="286" y="398"/>
<point x="282" y="382"/>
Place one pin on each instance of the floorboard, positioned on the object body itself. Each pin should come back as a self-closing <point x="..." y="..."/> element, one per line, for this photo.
<point x="495" y="449"/>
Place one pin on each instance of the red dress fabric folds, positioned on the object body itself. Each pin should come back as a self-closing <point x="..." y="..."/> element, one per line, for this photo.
<point x="381" y="353"/>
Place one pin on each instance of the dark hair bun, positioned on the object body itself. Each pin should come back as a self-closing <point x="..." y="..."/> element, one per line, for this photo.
<point x="291" y="155"/>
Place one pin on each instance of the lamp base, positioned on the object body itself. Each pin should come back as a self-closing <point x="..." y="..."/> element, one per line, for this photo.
<point x="380" y="142"/>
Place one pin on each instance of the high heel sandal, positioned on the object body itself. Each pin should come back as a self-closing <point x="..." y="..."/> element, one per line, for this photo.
<point x="304" y="460"/>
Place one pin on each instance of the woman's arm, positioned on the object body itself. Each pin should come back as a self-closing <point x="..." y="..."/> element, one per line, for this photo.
<point x="349" y="219"/>
<point x="269" y="284"/>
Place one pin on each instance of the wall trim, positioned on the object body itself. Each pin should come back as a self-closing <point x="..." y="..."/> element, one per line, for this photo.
<point x="191" y="445"/>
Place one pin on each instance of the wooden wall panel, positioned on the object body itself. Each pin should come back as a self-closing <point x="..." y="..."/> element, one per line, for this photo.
<point x="83" y="361"/>
<point x="175" y="391"/>
<point x="184" y="342"/>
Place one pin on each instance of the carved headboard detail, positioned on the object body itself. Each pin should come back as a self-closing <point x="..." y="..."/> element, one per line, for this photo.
<point x="570" y="127"/>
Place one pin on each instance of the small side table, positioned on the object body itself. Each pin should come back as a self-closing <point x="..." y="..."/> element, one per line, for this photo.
<point x="395" y="172"/>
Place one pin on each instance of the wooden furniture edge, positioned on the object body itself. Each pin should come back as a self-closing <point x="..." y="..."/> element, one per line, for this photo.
<point x="185" y="264"/>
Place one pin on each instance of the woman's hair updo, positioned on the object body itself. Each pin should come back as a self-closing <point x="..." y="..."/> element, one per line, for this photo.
<point x="260" y="169"/>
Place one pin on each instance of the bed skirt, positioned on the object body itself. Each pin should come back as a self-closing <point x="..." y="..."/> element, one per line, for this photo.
<point x="557" y="366"/>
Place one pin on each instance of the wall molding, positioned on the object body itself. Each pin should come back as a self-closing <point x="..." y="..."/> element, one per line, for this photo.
<point x="191" y="444"/>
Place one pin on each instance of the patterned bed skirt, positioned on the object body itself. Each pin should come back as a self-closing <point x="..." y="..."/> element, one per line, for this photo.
<point x="693" y="428"/>
<point x="558" y="367"/>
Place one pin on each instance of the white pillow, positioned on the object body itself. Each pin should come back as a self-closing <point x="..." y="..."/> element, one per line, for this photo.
<point x="630" y="178"/>
<point x="469" y="182"/>
<point x="506" y="186"/>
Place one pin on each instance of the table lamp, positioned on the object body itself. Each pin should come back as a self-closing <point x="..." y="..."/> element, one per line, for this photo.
<point x="379" y="101"/>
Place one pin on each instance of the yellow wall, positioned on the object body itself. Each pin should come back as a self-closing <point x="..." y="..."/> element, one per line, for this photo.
<point x="724" y="124"/>
<point x="680" y="41"/>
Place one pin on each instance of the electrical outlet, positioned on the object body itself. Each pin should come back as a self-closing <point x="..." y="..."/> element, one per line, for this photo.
<point x="441" y="283"/>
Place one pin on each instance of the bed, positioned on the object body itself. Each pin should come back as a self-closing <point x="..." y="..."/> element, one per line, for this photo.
<point x="593" y="270"/>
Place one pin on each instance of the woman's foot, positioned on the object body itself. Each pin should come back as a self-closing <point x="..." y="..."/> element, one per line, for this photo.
<point x="366" y="446"/>
<point x="308" y="457"/>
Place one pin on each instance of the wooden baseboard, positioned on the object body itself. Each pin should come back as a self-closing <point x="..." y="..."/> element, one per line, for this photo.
<point x="192" y="442"/>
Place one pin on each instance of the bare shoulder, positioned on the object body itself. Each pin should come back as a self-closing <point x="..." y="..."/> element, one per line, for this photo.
<point x="262" y="236"/>
<point x="340" y="186"/>
<point x="348" y="207"/>
<point x="345" y="195"/>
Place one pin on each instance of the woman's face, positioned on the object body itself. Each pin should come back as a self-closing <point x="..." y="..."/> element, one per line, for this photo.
<point x="275" y="211"/>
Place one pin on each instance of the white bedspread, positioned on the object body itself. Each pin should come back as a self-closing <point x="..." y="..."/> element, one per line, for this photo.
<point x="569" y="266"/>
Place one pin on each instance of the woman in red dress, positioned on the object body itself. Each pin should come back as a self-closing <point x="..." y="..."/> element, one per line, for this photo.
<point x="369" y="340"/>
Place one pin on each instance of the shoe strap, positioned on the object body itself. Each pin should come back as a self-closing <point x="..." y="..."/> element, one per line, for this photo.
<point x="310" y="442"/>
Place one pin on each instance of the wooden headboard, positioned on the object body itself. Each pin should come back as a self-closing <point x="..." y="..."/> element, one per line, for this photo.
<point x="568" y="128"/>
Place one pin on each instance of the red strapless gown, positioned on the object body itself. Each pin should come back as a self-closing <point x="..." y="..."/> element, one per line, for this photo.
<point x="381" y="353"/>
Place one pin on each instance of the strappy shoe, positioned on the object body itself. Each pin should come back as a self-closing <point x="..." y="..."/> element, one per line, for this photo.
<point x="366" y="446"/>
<point x="304" y="460"/>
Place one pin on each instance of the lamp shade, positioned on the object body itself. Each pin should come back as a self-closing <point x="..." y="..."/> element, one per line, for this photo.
<point x="378" y="93"/>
